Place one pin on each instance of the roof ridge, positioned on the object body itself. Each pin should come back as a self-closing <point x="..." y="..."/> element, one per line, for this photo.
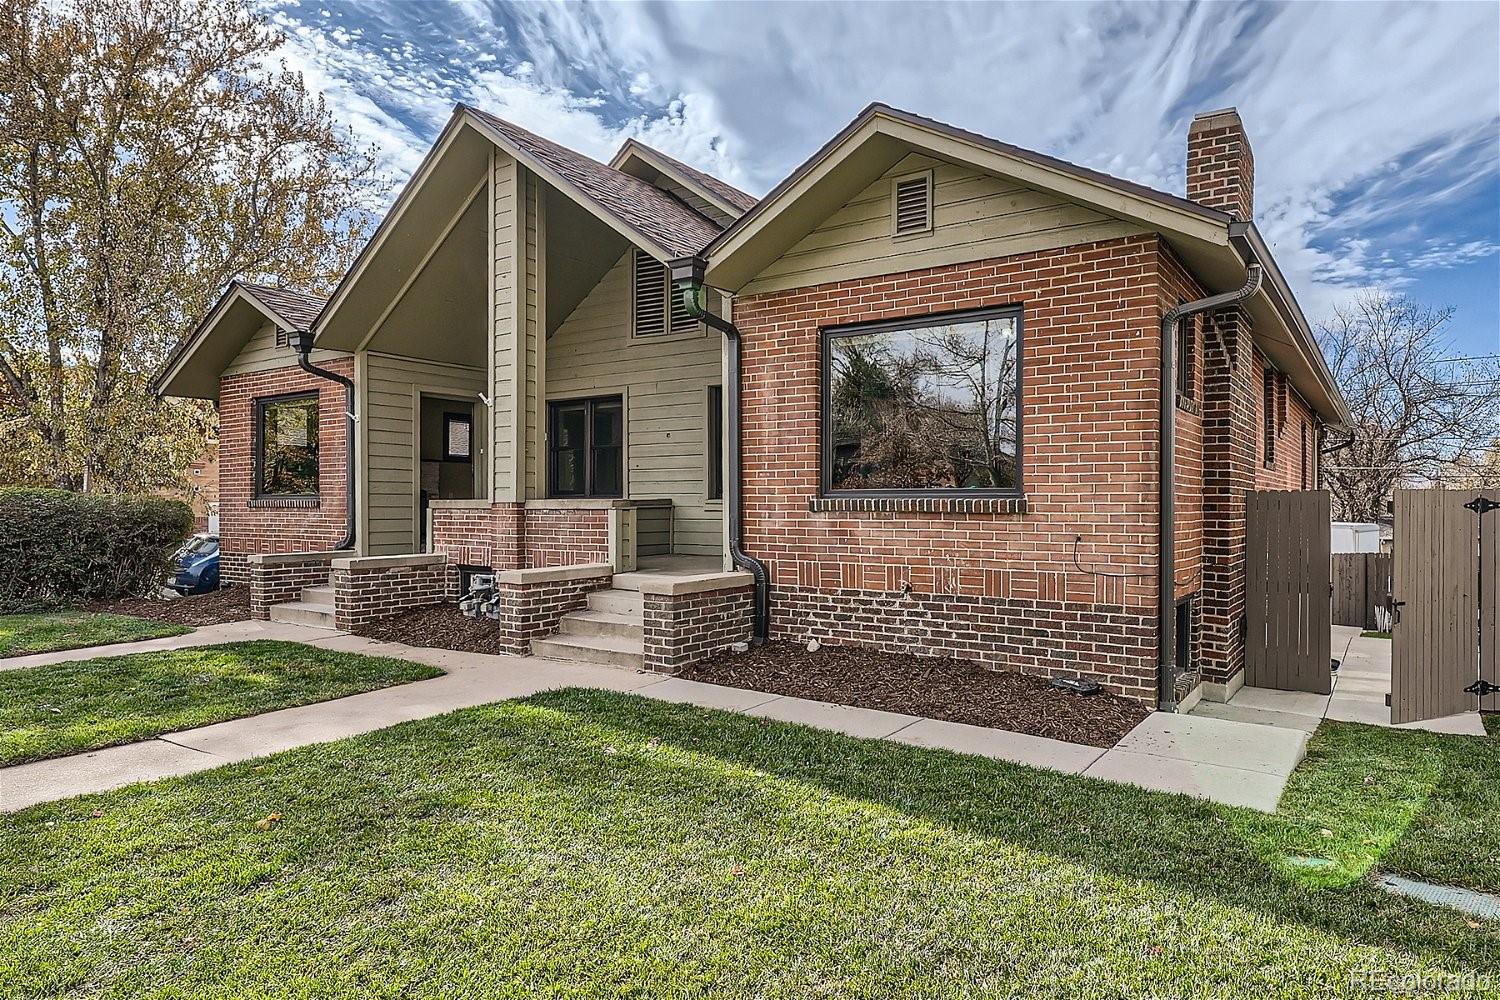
<point x="742" y="200"/>
<point x="673" y="227"/>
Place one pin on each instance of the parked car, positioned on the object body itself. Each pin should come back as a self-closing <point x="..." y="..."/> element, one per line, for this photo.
<point x="197" y="565"/>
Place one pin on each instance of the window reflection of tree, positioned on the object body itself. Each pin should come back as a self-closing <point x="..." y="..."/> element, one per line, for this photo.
<point x="927" y="408"/>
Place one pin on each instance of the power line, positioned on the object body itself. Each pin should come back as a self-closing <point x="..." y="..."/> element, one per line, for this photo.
<point x="1477" y="357"/>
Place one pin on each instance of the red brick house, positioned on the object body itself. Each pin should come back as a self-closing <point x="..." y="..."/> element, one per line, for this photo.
<point x="914" y="398"/>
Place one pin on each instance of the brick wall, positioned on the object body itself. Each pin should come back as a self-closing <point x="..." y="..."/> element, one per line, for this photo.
<point x="371" y="588"/>
<point x="532" y="609"/>
<point x="247" y="525"/>
<point x="680" y="629"/>
<point x="279" y="580"/>
<point x="1090" y="345"/>
<point x="512" y="536"/>
<point x="1294" y="422"/>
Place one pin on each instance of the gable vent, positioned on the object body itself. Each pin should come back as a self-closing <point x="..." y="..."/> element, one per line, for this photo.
<point x="650" y="296"/>
<point x="913" y="209"/>
<point x="282" y="339"/>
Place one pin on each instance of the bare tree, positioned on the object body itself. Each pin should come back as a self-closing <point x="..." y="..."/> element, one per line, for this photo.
<point x="1418" y="415"/>
<point x="152" y="151"/>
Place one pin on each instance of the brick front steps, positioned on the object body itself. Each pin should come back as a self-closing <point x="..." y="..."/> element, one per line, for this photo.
<point x="609" y="630"/>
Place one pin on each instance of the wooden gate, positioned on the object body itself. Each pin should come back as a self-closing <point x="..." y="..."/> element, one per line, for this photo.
<point x="1361" y="583"/>
<point x="1287" y="591"/>
<point x="1489" y="603"/>
<point x="1445" y="607"/>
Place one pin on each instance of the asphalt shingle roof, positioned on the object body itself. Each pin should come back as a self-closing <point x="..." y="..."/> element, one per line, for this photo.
<point x="646" y="209"/>
<point x="733" y="195"/>
<point x="297" y="308"/>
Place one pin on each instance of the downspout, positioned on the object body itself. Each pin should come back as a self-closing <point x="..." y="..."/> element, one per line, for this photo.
<point x="687" y="278"/>
<point x="1167" y="457"/>
<point x="301" y="341"/>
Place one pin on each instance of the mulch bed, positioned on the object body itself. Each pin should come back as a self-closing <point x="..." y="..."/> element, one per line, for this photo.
<point x="439" y="626"/>
<point x="219" y="607"/>
<point x="953" y="690"/>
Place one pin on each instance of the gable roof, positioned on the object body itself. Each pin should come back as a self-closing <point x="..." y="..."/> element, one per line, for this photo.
<point x="1211" y="243"/>
<point x="193" y="367"/>
<point x="671" y="227"/>
<point x="734" y="201"/>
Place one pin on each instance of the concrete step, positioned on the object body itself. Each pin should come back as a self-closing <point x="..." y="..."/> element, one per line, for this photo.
<point x="303" y="613"/>
<point x="318" y="595"/>
<point x="1256" y="716"/>
<point x="616" y="602"/>
<point x="591" y="649"/>
<point x="601" y="624"/>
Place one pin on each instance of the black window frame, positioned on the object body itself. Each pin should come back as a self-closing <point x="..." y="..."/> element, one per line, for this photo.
<point x="259" y="445"/>
<point x="589" y="403"/>
<point x="825" y="422"/>
<point x="714" y="431"/>
<point x="1187" y="358"/>
<point x="451" y="417"/>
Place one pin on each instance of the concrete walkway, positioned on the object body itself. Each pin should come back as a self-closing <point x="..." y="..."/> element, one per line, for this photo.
<point x="1359" y="691"/>
<point x="1230" y="762"/>
<point x="204" y="635"/>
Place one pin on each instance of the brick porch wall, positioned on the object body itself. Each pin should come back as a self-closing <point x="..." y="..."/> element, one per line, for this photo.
<point x="1090" y="341"/>
<point x="532" y="609"/>
<point x="510" y="536"/>
<point x="279" y="578"/>
<point x="247" y="525"/>
<point x="680" y="629"/>
<point x="371" y="588"/>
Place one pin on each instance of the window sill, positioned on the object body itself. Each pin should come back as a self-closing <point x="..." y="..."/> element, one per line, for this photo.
<point x="297" y="503"/>
<point x="918" y="505"/>
<point x="1189" y="404"/>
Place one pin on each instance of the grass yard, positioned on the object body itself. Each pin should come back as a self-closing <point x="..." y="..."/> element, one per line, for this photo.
<point x="586" y="844"/>
<point x="66" y="708"/>
<point x="21" y="635"/>
<point x="1374" y="635"/>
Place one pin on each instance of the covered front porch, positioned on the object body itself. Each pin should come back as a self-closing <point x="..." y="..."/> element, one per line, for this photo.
<point x="549" y="408"/>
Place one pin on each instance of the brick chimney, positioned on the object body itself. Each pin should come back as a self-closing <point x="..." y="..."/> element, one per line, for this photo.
<point x="1220" y="167"/>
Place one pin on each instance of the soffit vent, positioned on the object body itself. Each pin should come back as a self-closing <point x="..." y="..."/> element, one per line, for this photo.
<point x="913" y="209"/>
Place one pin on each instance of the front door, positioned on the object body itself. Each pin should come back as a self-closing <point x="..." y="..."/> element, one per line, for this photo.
<point x="447" y="466"/>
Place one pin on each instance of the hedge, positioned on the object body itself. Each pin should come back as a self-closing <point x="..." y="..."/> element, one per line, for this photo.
<point x="58" y="547"/>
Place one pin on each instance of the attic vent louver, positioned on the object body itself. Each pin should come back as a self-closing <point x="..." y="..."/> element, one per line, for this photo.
<point x="657" y="310"/>
<point x="650" y="296"/>
<point x="913" y="207"/>
<point x="282" y="339"/>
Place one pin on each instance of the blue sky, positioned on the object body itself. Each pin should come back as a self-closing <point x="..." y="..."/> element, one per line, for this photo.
<point x="1376" y="128"/>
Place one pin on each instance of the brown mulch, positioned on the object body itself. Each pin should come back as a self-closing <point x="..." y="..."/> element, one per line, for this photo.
<point x="953" y="690"/>
<point x="218" y="607"/>
<point x="440" y="626"/>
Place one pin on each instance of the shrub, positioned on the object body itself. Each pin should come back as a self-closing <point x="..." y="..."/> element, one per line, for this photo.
<point x="58" y="547"/>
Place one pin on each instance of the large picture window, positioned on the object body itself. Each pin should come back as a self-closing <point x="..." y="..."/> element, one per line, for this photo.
<point x="585" y="448"/>
<point x="286" y="433"/>
<point x="924" y="406"/>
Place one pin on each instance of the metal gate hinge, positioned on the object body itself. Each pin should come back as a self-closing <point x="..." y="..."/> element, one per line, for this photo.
<point x="1482" y="505"/>
<point x="1482" y="687"/>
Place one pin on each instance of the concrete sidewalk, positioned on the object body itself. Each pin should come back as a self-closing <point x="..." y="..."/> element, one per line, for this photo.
<point x="1359" y="692"/>
<point x="203" y="635"/>
<point x="1233" y="763"/>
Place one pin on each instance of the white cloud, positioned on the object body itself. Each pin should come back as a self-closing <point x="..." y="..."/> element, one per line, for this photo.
<point x="1370" y="123"/>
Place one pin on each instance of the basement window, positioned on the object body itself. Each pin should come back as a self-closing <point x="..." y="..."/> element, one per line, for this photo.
<point x="286" y="446"/>
<point x="924" y="407"/>
<point x="911" y="204"/>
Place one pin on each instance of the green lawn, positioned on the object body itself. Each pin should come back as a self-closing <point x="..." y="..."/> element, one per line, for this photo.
<point x="585" y="844"/>
<point x="21" y="635"/>
<point x="1374" y="635"/>
<point x="67" y="708"/>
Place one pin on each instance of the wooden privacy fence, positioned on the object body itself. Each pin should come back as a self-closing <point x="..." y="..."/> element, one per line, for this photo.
<point x="1287" y="580"/>
<point x="1446" y="595"/>
<point x="1361" y="583"/>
